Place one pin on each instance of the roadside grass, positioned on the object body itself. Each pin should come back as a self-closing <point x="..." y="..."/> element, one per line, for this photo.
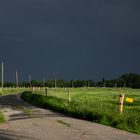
<point x="2" y="119"/>
<point x="28" y="111"/>
<point x="4" y="91"/>
<point x="98" y="105"/>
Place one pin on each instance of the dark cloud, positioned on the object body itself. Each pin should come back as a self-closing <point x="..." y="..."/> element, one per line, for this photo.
<point x="70" y="39"/>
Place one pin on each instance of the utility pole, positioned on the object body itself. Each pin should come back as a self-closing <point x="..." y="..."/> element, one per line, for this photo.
<point x="55" y="83"/>
<point x="17" y="80"/>
<point x="2" y="76"/>
<point x="88" y="84"/>
<point x="44" y="81"/>
<point x="30" y="80"/>
<point x="69" y="95"/>
<point x="72" y="84"/>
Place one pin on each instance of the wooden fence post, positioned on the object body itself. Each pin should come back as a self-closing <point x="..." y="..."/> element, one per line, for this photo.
<point x="121" y="100"/>
<point x="69" y="94"/>
<point x="46" y="91"/>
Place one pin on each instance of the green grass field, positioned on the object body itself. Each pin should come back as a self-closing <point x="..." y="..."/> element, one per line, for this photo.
<point x="94" y="104"/>
<point x="108" y="96"/>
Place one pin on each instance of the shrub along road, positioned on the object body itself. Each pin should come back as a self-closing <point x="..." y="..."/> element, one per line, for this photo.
<point x="27" y="122"/>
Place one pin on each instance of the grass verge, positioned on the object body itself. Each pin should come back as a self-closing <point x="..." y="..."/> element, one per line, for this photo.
<point x="95" y="111"/>
<point x="2" y="117"/>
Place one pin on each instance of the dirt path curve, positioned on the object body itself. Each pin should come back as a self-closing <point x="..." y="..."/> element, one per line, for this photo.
<point x="26" y="122"/>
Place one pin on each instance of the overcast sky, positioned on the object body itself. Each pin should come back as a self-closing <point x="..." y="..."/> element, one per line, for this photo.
<point x="75" y="39"/>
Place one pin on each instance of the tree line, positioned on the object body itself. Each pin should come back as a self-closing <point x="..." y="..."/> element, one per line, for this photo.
<point x="131" y="80"/>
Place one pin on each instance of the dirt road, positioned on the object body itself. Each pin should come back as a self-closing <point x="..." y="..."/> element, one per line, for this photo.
<point x="26" y="122"/>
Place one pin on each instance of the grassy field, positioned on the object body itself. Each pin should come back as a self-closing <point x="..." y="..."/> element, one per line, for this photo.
<point x="108" y="96"/>
<point x="94" y="104"/>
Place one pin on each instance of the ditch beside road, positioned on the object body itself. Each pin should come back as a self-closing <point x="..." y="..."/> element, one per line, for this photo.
<point x="27" y="122"/>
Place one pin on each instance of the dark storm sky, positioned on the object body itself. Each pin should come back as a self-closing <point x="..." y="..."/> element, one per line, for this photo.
<point x="74" y="39"/>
